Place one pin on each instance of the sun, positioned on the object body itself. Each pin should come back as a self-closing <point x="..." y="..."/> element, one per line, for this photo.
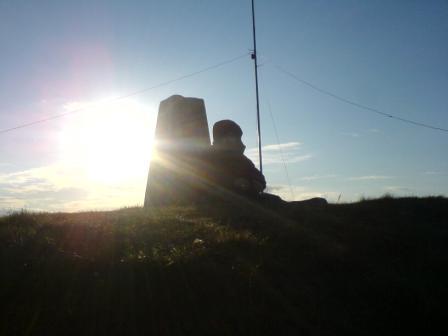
<point x="108" y="141"/>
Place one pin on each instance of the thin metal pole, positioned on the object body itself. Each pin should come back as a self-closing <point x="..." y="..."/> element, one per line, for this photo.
<point x="254" y="57"/>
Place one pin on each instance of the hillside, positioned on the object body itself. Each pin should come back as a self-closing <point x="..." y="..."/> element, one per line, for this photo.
<point x="368" y="268"/>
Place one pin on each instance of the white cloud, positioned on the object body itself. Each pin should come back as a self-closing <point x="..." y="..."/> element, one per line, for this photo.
<point x="318" y="177"/>
<point x="430" y="172"/>
<point x="60" y="187"/>
<point x="360" y="133"/>
<point x="398" y="189"/>
<point x="284" y="146"/>
<point x="369" y="177"/>
<point x="350" y="134"/>
<point x="278" y="154"/>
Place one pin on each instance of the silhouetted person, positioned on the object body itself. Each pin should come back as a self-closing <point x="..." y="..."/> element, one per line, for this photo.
<point x="230" y="173"/>
<point x="229" y="169"/>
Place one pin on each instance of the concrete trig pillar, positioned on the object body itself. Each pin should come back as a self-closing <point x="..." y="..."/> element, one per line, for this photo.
<point x="181" y="139"/>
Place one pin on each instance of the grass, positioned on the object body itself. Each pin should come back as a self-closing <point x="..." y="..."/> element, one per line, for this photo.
<point x="368" y="268"/>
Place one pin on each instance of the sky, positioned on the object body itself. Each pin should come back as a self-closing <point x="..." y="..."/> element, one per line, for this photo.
<point x="64" y="56"/>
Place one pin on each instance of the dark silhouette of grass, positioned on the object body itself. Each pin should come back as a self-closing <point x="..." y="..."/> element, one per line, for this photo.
<point x="368" y="268"/>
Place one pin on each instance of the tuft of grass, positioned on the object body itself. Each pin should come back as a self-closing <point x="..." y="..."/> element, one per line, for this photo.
<point x="373" y="267"/>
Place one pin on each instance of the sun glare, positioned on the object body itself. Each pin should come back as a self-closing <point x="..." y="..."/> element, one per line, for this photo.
<point x="109" y="141"/>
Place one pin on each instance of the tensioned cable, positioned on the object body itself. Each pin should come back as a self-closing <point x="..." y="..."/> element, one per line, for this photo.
<point x="364" y="107"/>
<point x="279" y="146"/>
<point x="285" y="167"/>
<point x="129" y="94"/>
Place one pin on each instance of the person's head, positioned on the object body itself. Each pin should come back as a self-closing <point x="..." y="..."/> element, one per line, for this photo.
<point x="227" y="136"/>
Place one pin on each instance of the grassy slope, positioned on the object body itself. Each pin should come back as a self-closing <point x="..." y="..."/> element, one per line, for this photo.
<point x="369" y="268"/>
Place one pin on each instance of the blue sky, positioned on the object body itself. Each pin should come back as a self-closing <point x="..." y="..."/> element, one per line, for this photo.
<point x="61" y="55"/>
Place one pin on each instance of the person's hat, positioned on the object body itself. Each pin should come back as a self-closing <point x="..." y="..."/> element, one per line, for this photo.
<point x="226" y="128"/>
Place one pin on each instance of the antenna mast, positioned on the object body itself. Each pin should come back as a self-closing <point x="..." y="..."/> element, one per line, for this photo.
<point x="254" y="57"/>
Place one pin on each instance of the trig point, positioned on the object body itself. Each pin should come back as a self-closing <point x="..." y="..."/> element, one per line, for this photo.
<point x="181" y="138"/>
